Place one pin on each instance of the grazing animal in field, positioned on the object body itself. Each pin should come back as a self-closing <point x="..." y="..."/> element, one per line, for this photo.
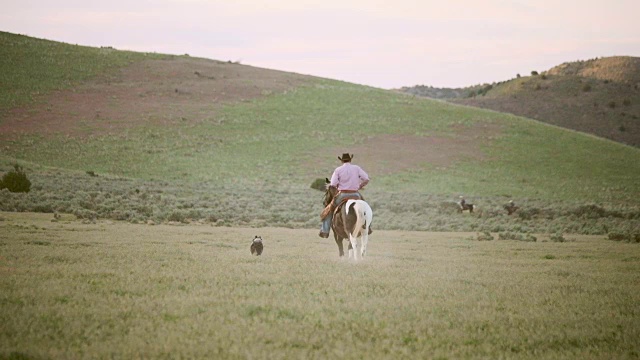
<point x="257" y="246"/>
<point x="351" y="220"/>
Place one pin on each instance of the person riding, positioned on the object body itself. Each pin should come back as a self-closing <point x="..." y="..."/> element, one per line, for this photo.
<point x="349" y="179"/>
<point x="511" y="207"/>
<point x="462" y="203"/>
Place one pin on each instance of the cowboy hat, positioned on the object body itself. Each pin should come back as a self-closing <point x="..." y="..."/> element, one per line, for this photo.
<point x="346" y="157"/>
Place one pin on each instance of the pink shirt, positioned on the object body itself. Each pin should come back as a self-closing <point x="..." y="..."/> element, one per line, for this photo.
<point x="348" y="177"/>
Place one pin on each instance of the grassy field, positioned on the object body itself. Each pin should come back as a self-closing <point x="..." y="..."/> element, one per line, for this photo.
<point x="120" y="290"/>
<point x="290" y="139"/>
<point x="166" y="173"/>
<point x="31" y="68"/>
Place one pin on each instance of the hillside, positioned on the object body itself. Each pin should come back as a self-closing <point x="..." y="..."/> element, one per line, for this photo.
<point x="598" y="96"/>
<point x="161" y="137"/>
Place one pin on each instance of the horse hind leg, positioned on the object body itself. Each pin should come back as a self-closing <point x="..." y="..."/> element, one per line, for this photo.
<point x="354" y="247"/>
<point x="340" y="248"/>
<point x="365" y="240"/>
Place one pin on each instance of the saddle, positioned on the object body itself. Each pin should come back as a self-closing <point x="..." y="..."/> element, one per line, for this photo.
<point x="330" y="209"/>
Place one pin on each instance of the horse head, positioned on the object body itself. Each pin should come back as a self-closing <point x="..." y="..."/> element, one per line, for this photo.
<point x="330" y="192"/>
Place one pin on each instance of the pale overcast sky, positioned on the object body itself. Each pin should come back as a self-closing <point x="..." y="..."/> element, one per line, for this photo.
<point x="385" y="44"/>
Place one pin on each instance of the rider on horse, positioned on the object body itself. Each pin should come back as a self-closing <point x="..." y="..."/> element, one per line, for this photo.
<point x="348" y="178"/>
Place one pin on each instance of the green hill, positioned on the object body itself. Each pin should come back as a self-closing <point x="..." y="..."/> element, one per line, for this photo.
<point x="178" y="138"/>
<point x="598" y="96"/>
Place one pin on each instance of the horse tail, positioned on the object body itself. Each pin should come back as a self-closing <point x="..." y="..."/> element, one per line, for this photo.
<point x="364" y="215"/>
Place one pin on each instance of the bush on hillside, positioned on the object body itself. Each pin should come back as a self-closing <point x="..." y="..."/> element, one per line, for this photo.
<point x="485" y="236"/>
<point x="626" y="237"/>
<point x="319" y="184"/>
<point x="16" y="180"/>
<point x="557" y="237"/>
<point x="586" y="88"/>
<point x="534" y="73"/>
<point x="590" y="211"/>
<point x="516" y="236"/>
<point x="529" y="213"/>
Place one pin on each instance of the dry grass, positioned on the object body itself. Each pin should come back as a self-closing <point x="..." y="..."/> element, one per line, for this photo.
<point x="117" y="290"/>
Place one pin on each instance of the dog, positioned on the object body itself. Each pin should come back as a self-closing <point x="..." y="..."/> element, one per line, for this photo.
<point x="256" y="246"/>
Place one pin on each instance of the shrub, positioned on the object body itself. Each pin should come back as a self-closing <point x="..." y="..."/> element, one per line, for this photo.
<point x="557" y="237"/>
<point x="177" y="216"/>
<point x="534" y="73"/>
<point x="85" y="214"/>
<point x="528" y="213"/>
<point x="318" y="184"/>
<point x="627" y="237"/>
<point x="626" y="102"/>
<point x="15" y="180"/>
<point x="617" y="236"/>
<point x="611" y="104"/>
<point x="590" y="211"/>
<point x="485" y="236"/>
<point x="516" y="236"/>
<point x="586" y="88"/>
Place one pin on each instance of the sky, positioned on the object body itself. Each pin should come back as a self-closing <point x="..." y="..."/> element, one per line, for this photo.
<point x="384" y="44"/>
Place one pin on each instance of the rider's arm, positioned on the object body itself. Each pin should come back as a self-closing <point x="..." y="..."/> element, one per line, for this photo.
<point x="364" y="178"/>
<point x="334" y="179"/>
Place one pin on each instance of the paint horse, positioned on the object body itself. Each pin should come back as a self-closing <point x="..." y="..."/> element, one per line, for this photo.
<point x="351" y="219"/>
<point x="463" y="205"/>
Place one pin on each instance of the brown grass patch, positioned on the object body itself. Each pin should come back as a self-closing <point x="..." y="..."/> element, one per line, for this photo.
<point x="156" y="91"/>
<point x="392" y="153"/>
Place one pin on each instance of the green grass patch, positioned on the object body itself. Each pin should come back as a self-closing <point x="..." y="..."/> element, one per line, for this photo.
<point x="30" y="67"/>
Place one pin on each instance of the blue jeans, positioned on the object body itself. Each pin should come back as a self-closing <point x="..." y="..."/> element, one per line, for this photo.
<point x="326" y="223"/>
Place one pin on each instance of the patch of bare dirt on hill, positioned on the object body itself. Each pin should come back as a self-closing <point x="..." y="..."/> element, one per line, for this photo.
<point x="393" y="153"/>
<point x="620" y="69"/>
<point x="160" y="92"/>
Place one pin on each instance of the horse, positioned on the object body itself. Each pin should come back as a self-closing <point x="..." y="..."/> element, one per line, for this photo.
<point x="463" y="207"/>
<point x="511" y="207"/>
<point x="351" y="220"/>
